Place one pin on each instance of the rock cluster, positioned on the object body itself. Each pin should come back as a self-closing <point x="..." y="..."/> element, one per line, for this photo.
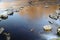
<point x="6" y="35"/>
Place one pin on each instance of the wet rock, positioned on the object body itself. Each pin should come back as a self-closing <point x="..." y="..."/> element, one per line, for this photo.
<point x="50" y="22"/>
<point x="1" y="30"/>
<point x="47" y="28"/>
<point x="52" y="16"/>
<point x="58" y="31"/>
<point x="4" y="16"/>
<point x="7" y="36"/>
<point x="10" y="13"/>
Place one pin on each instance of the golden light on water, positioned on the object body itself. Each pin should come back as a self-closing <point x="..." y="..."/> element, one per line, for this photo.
<point x="32" y="11"/>
<point x="37" y="11"/>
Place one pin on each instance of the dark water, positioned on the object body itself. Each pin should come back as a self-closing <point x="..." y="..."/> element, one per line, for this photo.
<point x="19" y="27"/>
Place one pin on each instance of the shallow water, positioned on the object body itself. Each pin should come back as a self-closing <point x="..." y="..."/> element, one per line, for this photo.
<point x="19" y="24"/>
<point x="19" y="27"/>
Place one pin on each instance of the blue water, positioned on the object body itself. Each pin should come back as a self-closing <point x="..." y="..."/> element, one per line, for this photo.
<point x="19" y="27"/>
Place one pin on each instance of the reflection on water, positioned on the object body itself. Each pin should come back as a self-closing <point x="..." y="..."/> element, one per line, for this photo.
<point x="49" y="36"/>
<point x="19" y="27"/>
<point x="28" y="23"/>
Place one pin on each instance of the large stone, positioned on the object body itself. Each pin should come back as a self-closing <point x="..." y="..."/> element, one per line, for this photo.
<point x="4" y="16"/>
<point x="47" y="28"/>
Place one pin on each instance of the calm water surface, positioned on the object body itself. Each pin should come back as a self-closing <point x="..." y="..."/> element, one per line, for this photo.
<point x="19" y="27"/>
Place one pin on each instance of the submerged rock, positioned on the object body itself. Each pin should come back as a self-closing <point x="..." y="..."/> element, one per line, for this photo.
<point x="50" y="22"/>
